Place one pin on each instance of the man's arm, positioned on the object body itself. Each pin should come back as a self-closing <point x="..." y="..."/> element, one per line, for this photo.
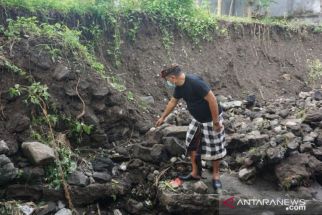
<point x="213" y="105"/>
<point x="169" y="108"/>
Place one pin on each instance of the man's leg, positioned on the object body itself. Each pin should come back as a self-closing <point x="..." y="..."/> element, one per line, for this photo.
<point x="216" y="169"/>
<point x="195" y="170"/>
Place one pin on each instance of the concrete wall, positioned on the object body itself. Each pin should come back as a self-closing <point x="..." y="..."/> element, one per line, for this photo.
<point x="279" y="8"/>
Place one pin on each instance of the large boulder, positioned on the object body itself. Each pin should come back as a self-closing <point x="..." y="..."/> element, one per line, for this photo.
<point x="38" y="153"/>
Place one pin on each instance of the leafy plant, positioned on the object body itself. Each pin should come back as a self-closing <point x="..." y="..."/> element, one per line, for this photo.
<point x="315" y="71"/>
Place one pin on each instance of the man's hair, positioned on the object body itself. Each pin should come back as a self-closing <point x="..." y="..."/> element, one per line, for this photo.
<point x="173" y="69"/>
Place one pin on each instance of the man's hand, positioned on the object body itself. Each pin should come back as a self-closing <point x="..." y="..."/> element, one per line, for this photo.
<point x="217" y="126"/>
<point x="159" y="122"/>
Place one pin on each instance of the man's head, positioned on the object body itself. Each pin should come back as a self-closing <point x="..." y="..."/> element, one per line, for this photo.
<point x="173" y="74"/>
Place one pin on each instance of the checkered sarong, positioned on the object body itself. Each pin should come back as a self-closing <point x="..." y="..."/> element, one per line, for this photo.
<point x="212" y="144"/>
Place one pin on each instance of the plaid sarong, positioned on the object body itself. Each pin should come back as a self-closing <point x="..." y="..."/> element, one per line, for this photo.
<point x="212" y="145"/>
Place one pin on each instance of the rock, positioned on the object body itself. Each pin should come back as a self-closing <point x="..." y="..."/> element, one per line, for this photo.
<point x="200" y="187"/>
<point x="117" y="212"/>
<point x="250" y="100"/>
<point x="149" y="100"/>
<point x="24" y="191"/>
<point x="61" y="72"/>
<point x="275" y="155"/>
<point x="284" y="113"/>
<point x="309" y="138"/>
<point x="18" y="123"/>
<point x="293" y="145"/>
<point x="26" y="209"/>
<point x="91" y="118"/>
<point x="4" y="149"/>
<point x="289" y="136"/>
<point x="38" y="153"/>
<point x="246" y="174"/>
<point x="78" y="178"/>
<point x="7" y="170"/>
<point x="317" y="152"/>
<point x="175" y="131"/>
<point x="102" y="164"/>
<point x="70" y="89"/>
<point x="231" y="104"/>
<point x="100" y="93"/>
<point x="319" y="139"/>
<point x="93" y="192"/>
<point x="317" y="95"/>
<point x="306" y="147"/>
<point x="64" y="211"/>
<point x="12" y="145"/>
<point x="134" y="207"/>
<point x="173" y="146"/>
<point x="291" y="122"/>
<point x="33" y="174"/>
<point x="102" y="177"/>
<point x="304" y="95"/>
<point x="183" y="118"/>
<point x="313" y="118"/>
<point x="156" y="154"/>
<point x="155" y="135"/>
<point x="48" y="208"/>
<point x="178" y="203"/>
<point x="297" y="170"/>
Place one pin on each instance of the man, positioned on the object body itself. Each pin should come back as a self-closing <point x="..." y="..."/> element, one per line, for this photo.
<point x="206" y="136"/>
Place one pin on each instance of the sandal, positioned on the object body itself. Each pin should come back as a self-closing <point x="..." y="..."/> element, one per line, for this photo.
<point x="189" y="177"/>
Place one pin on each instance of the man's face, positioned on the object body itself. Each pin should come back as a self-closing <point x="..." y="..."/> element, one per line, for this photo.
<point x="171" y="78"/>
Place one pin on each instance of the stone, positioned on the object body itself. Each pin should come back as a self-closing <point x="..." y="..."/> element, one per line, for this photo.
<point x="101" y="92"/>
<point x="149" y="100"/>
<point x="250" y="101"/>
<point x="48" y="208"/>
<point x="134" y="207"/>
<point x="284" y="113"/>
<point x="200" y="187"/>
<point x="275" y="154"/>
<point x="64" y="211"/>
<point x="173" y="146"/>
<point x="306" y="147"/>
<point x="24" y="191"/>
<point x="156" y="154"/>
<point x="78" y="178"/>
<point x="319" y="139"/>
<point x="18" y="123"/>
<point x="313" y="118"/>
<point x="38" y="153"/>
<point x="102" y="177"/>
<point x="102" y="164"/>
<point x="4" y="149"/>
<point x="61" y="72"/>
<point x="317" y="152"/>
<point x="246" y="174"/>
<point x="317" y="95"/>
<point x="86" y="195"/>
<point x="304" y="95"/>
<point x="8" y="172"/>
<point x="231" y="104"/>
<point x="175" y="131"/>
<point x="293" y="145"/>
<point x="297" y="170"/>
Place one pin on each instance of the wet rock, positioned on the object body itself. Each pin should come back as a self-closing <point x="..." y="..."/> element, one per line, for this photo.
<point x="78" y="178"/>
<point x="102" y="164"/>
<point x="4" y="149"/>
<point x="297" y="170"/>
<point x="38" y="153"/>
<point x="18" y="123"/>
<point x="149" y="100"/>
<point x="173" y="146"/>
<point x="61" y="72"/>
<point x="247" y="174"/>
<point x="102" y="177"/>
<point x="24" y="191"/>
<point x="64" y="211"/>
<point x="200" y="187"/>
<point x="7" y="170"/>
<point x="317" y="95"/>
<point x="134" y="207"/>
<point x="93" y="192"/>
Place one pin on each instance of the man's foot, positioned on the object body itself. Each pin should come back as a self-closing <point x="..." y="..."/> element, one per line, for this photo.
<point x="216" y="184"/>
<point x="190" y="177"/>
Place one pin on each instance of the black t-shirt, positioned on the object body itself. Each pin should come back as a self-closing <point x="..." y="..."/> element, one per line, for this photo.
<point x="193" y="92"/>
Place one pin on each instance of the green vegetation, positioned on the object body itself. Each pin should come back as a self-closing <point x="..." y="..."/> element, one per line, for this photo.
<point x="315" y="71"/>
